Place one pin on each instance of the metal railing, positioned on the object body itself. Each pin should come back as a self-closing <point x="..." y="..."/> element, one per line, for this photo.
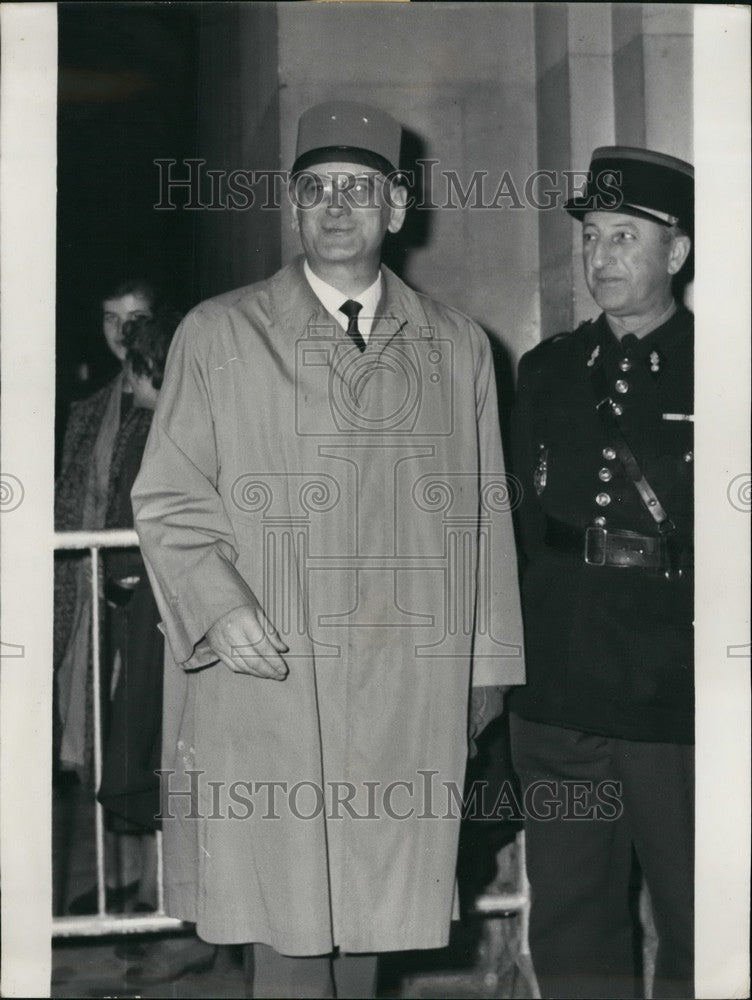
<point x="499" y="904"/>
<point x="102" y="922"/>
<point x="489" y="904"/>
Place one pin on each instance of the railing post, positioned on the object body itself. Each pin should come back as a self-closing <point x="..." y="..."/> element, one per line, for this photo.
<point x="97" y="708"/>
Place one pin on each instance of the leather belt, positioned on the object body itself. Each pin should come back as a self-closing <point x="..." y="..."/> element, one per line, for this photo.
<point x="602" y="547"/>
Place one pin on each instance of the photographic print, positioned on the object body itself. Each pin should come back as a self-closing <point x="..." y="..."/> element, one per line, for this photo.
<point x="357" y="459"/>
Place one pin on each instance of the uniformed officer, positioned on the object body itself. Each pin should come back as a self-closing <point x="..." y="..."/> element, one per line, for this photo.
<point x="602" y="734"/>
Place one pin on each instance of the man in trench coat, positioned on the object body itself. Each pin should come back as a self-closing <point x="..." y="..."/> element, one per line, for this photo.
<point x="325" y="517"/>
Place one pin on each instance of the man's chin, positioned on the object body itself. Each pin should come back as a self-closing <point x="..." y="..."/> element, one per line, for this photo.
<point x="338" y="255"/>
<point x="610" y="300"/>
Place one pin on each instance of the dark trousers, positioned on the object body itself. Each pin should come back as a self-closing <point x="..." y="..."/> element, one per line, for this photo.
<point x="588" y="801"/>
<point x="269" y="974"/>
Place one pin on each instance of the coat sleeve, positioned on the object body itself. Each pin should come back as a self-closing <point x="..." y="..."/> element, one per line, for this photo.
<point x="187" y="539"/>
<point x="498" y="646"/>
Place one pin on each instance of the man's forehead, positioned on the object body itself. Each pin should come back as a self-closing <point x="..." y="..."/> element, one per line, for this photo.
<point x="606" y="221"/>
<point x="340" y="168"/>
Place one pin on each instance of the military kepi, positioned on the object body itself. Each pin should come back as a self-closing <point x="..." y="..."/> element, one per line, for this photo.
<point x="343" y="131"/>
<point x="639" y="182"/>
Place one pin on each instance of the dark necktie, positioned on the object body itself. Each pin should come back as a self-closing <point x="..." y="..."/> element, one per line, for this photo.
<point x="351" y="308"/>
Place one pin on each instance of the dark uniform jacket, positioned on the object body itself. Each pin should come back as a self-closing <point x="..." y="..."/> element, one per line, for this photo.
<point x="609" y="649"/>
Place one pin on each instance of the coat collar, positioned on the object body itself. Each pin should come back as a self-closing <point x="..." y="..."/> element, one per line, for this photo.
<point x="666" y="338"/>
<point x="662" y="343"/>
<point x="299" y="313"/>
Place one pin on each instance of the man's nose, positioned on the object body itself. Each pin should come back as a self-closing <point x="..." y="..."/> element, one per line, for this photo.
<point x="602" y="254"/>
<point x="338" y="202"/>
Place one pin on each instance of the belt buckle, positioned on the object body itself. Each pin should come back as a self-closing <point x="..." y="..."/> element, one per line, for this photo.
<point x="595" y="546"/>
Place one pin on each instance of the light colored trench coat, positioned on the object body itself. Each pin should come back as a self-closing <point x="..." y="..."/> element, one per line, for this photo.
<point x="361" y="497"/>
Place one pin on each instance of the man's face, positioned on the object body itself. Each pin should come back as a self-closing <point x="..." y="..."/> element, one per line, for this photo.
<point x="629" y="263"/>
<point x="116" y="312"/>
<point x="343" y="211"/>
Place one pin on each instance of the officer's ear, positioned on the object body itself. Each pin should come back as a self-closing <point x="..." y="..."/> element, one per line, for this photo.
<point x="681" y="246"/>
<point x="396" y="195"/>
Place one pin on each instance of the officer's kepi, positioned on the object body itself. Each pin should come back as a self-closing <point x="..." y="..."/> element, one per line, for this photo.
<point x="346" y="132"/>
<point x="639" y="182"/>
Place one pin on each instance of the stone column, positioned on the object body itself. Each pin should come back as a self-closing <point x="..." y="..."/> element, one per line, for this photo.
<point x="575" y="105"/>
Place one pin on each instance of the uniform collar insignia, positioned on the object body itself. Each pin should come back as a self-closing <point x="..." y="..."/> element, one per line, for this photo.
<point x="655" y="361"/>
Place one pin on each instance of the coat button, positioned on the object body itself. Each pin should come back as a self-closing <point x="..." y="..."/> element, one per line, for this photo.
<point x="609" y="454"/>
<point x="625" y="365"/>
<point x="689" y="456"/>
<point x="604" y="475"/>
<point x="599" y="522"/>
<point x="617" y="410"/>
<point x="622" y="385"/>
<point x="603" y="499"/>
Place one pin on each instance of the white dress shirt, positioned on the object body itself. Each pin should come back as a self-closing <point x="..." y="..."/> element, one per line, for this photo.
<point x="331" y="299"/>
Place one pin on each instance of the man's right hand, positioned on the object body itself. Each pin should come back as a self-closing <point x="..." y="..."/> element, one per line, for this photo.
<point x="246" y="641"/>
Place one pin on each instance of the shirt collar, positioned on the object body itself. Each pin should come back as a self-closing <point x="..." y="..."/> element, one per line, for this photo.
<point x="331" y="299"/>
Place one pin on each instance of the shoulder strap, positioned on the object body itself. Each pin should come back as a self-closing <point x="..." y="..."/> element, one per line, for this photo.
<point x="609" y="412"/>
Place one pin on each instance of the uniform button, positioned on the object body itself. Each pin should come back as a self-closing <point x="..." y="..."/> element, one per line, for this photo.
<point x="689" y="456"/>
<point x="603" y="499"/>
<point x="609" y="454"/>
<point x="599" y="522"/>
<point x="625" y="365"/>
<point x="604" y="475"/>
<point x="622" y="385"/>
<point x="617" y="410"/>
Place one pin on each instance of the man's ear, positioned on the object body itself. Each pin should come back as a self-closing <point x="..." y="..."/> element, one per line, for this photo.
<point x="681" y="246"/>
<point x="295" y="221"/>
<point x="397" y="198"/>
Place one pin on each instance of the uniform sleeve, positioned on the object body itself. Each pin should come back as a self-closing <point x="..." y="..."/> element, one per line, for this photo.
<point x="187" y="540"/>
<point x="498" y="646"/>
<point x="529" y="514"/>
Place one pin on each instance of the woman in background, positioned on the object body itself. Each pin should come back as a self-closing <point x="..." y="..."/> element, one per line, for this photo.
<point x="95" y="425"/>
<point x="81" y="493"/>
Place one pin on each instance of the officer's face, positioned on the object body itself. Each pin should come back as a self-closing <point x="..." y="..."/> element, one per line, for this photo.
<point x="343" y="211"/>
<point x="116" y="313"/>
<point x="629" y="263"/>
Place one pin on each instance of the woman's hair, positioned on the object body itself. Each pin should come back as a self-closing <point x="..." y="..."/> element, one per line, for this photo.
<point x="147" y="341"/>
<point x="132" y="286"/>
